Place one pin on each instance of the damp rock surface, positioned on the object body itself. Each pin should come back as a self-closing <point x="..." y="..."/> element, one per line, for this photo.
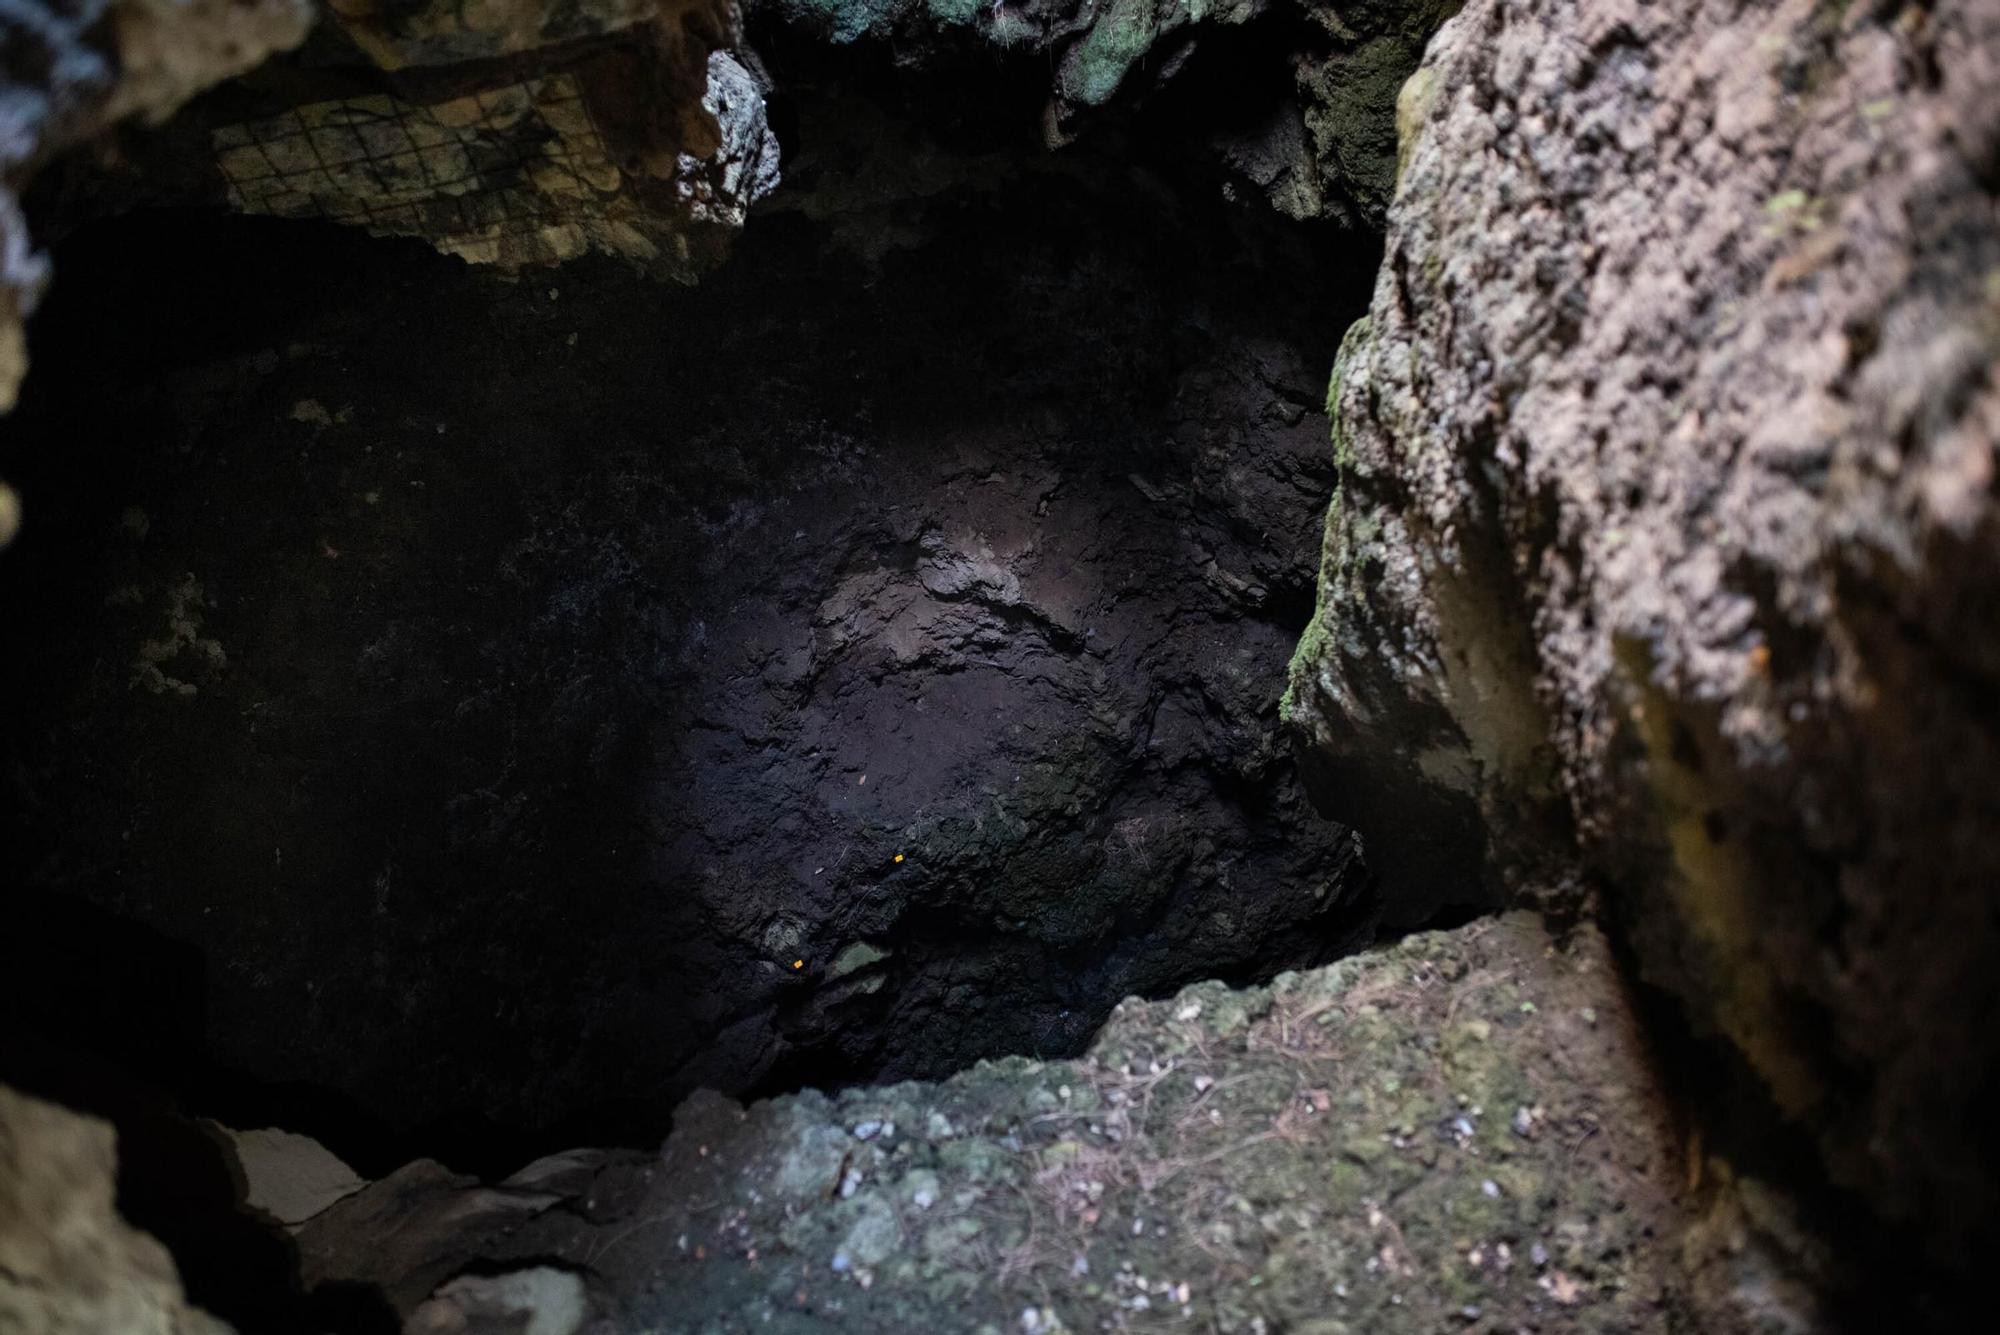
<point x="520" y="702"/>
<point x="1664" y="546"/>
<point x="1459" y="1131"/>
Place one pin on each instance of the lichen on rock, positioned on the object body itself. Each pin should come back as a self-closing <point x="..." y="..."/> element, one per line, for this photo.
<point x="1459" y="1129"/>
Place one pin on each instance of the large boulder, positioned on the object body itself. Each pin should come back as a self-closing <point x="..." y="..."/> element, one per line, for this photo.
<point x="68" y="1264"/>
<point x="1664" y="552"/>
<point x="1456" y="1132"/>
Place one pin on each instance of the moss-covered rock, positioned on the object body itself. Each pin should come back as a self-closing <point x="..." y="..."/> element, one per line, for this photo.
<point x="1457" y="1131"/>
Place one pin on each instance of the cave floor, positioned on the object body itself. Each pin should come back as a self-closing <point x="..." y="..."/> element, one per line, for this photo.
<point x="1456" y="1132"/>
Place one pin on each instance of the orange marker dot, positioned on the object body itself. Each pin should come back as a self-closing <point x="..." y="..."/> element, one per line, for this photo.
<point x="798" y="964"/>
<point x="899" y="857"/>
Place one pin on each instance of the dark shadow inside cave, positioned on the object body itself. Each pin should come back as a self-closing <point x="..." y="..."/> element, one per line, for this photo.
<point x="516" y="703"/>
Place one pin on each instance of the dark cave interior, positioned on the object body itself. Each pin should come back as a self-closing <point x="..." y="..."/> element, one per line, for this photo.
<point x="463" y="712"/>
<point x="470" y="713"/>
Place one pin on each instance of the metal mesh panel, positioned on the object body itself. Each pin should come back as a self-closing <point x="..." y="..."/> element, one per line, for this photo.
<point x="517" y="173"/>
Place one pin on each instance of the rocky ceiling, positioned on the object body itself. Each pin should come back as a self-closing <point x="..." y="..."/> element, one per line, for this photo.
<point x="522" y="132"/>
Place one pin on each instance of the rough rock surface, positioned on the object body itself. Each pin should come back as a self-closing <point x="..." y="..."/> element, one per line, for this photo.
<point x="68" y="1264"/>
<point x="529" y="133"/>
<point x="1458" y="1132"/>
<point x="68" y="68"/>
<point x="511" y="132"/>
<point x="786" y="680"/>
<point x="515" y="133"/>
<point x="522" y="132"/>
<point x="1665" y="546"/>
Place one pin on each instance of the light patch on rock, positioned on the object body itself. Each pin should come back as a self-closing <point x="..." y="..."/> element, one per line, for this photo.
<point x="286" y="1177"/>
<point x="538" y="1301"/>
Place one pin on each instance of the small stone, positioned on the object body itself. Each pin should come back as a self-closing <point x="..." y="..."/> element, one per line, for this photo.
<point x="875" y="1235"/>
<point x="867" y="1130"/>
<point x="854" y="958"/>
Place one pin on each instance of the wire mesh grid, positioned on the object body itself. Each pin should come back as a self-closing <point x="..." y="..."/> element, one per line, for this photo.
<point x="503" y="162"/>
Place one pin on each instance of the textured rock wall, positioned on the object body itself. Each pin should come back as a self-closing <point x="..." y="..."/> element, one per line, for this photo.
<point x="1665" y="546"/>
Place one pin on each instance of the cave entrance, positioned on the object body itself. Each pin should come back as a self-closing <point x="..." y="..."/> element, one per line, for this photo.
<point x="467" y="712"/>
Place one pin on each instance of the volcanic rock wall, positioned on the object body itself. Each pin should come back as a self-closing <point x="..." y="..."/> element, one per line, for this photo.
<point x="1665" y="547"/>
